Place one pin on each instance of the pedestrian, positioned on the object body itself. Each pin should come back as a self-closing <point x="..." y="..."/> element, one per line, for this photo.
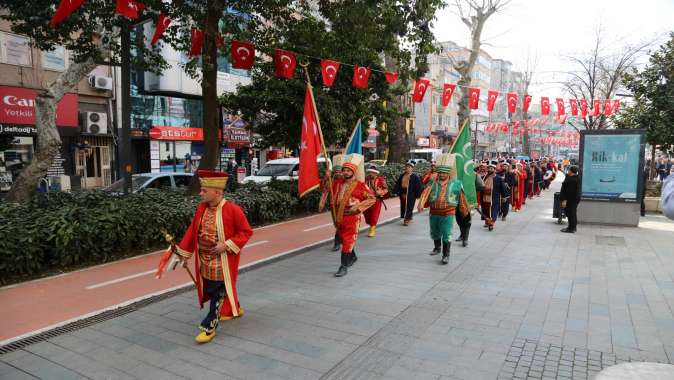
<point x="337" y="161"/>
<point x="662" y="169"/>
<point x="569" y="197"/>
<point x="408" y="188"/>
<point x="352" y="197"/>
<point x="521" y="186"/>
<point x="667" y="198"/>
<point x="217" y="234"/>
<point x="538" y="178"/>
<point x="444" y="196"/>
<point x="377" y="184"/>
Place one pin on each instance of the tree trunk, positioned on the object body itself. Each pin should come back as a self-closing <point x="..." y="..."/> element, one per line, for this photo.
<point x="48" y="139"/>
<point x="398" y="141"/>
<point x="526" y="144"/>
<point x="652" y="168"/>
<point x="467" y="68"/>
<point x="209" y="92"/>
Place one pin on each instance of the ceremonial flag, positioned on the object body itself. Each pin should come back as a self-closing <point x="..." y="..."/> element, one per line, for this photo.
<point x="391" y="78"/>
<point x="361" y="75"/>
<point x="512" y="102"/>
<point x="596" y="107"/>
<point x="447" y="91"/>
<point x="616" y="105"/>
<point x="465" y="166"/>
<point x="607" y="107"/>
<point x="65" y="9"/>
<point x="491" y="99"/>
<point x="163" y="23"/>
<point x="285" y="62"/>
<point x="583" y="108"/>
<point x="329" y="71"/>
<point x="243" y="55"/>
<point x="420" y="86"/>
<point x="310" y="147"/>
<point x="473" y="98"/>
<point x="355" y="144"/>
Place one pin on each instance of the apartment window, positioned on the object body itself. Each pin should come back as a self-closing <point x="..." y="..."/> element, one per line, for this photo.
<point x="15" y="49"/>
<point x="54" y="60"/>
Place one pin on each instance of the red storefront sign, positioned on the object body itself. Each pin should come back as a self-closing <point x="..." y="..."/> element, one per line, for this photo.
<point x="17" y="106"/>
<point x="177" y="133"/>
<point x="237" y="136"/>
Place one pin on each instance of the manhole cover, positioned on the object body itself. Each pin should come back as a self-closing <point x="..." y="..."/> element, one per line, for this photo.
<point x="610" y="240"/>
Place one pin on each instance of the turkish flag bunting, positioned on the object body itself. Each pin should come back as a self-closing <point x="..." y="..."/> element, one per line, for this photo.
<point x="583" y="108"/>
<point x="447" y="91"/>
<point x="574" y="107"/>
<point x="616" y="105"/>
<point x="65" y="9"/>
<point x="473" y="98"/>
<point x="607" y="107"/>
<point x="329" y="71"/>
<point x="361" y="75"/>
<point x="285" y="62"/>
<point x="219" y="41"/>
<point x="527" y="102"/>
<point x="197" y="37"/>
<point x="162" y="24"/>
<point x="310" y="147"/>
<point x="511" y="98"/>
<point x="596" y="107"/>
<point x="491" y="99"/>
<point x="243" y="55"/>
<point x="391" y="78"/>
<point x="129" y="8"/>
<point x="545" y="105"/>
<point x="560" y="106"/>
<point x="420" y="86"/>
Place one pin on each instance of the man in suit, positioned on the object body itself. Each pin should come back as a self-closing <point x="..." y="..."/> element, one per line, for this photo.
<point x="569" y="197"/>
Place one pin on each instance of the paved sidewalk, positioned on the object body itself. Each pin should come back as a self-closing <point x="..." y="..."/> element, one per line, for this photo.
<point x="522" y="301"/>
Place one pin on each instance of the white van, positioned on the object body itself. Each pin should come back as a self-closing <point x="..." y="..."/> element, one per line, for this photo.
<point x="283" y="169"/>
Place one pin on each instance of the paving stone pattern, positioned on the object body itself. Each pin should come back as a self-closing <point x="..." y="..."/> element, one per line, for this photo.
<point x="524" y="301"/>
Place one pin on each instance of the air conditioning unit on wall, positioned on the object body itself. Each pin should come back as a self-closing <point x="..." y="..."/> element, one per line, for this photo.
<point x="101" y="83"/>
<point x="95" y="123"/>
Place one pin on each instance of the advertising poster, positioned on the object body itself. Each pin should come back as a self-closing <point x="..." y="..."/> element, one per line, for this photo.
<point x="610" y="165"/>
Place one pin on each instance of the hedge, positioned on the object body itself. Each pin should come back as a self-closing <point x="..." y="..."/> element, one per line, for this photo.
<point x="60" y="230"/>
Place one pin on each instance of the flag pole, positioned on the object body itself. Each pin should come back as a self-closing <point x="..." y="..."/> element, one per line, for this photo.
<point x="459" y="134"/>
<point x="328" y="163"/>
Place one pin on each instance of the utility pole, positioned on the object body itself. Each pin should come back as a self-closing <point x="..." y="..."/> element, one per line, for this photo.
<point x="125" y="141"/>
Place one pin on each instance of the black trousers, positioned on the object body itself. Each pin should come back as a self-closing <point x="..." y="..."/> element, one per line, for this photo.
<point x="464" y="223"/>
<point x="571" y="214"/>
<point x="505" y="207"/>
<point x="216" y="290"/>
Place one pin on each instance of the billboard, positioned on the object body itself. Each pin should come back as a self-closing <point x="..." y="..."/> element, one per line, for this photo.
<point x="610" y="165"/>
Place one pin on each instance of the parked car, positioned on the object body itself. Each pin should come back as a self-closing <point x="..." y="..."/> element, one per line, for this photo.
<point x="143" y="181"/>
<point x="377" y="163"/>
<point x="283" y="169"/>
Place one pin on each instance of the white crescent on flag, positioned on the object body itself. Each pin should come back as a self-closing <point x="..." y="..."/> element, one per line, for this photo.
<point x="286" y="59"/>
<point x="331" y="67"/>
<point x="468" y="167"/>
<point x="241" y="55"/>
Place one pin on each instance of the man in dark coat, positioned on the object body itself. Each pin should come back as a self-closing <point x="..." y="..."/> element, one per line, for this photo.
<point x="509" y="187"/>
<point x="408" y="188"/>
<point x="569" y="196"/>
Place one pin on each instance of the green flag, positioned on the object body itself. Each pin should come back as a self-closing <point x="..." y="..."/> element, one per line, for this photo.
<point x="465" y="166"/>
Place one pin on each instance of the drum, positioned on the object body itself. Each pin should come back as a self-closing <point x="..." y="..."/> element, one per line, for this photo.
<point x="548" y="175"/>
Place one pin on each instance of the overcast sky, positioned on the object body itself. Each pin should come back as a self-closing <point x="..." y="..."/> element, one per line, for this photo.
<point x="551" y="30"/>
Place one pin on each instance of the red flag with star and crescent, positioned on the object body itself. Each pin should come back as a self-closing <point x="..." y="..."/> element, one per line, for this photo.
<point x="310" y="147"/>
<point x="285" y="62"/>
<point x="420" y="87"/>
<point x="616" y="105"/>
<point x="596" y="107"/>
<point x="163" y="23"/>
<point x="243" y="55"/>
<point x="574" y="107"/>
<point x="545" y="105"/>
<point x="512" y="102"/>
<point x="329" y="71"/>
<point x="527" y="102"/>
<point x="361" y="75"/>
<point x="560" y="106"/>
<point x="583" y="108"/>
<point x="447" y="91"/>
<point x="129" y="8"/>
<point x="196" y="41"/>
<point x="607" y="107"/>
<point x="65" y="9"/>
<point x="391" y="77"/>
<point x="473" y="97"/>
<point x="491" y="99"/>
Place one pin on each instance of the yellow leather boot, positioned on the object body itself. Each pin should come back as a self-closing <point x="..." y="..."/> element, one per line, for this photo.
<point x="373" y="231"/>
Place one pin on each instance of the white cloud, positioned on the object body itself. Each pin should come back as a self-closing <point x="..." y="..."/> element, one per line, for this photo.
<point x="553" y="30"/>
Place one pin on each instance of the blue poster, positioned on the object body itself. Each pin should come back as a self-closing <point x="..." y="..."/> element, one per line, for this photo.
<point x="610" y="168"/>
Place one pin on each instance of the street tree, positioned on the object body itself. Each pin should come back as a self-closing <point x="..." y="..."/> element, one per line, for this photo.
<point x="653" y="108"/>
<point x="598" y="74"/>
<point x="380" y="35"/>
<point x="474" y="14"/>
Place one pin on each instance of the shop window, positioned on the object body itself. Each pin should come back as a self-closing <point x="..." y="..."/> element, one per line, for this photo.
<point x="54" y="60"/>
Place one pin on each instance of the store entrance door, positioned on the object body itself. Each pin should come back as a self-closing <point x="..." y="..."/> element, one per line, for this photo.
<point x="93" y="166"/>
